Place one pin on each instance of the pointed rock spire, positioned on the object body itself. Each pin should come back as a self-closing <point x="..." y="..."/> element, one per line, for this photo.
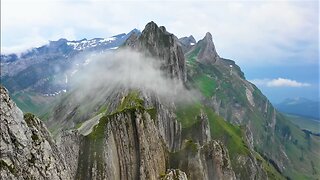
<point x="208" y="53"/>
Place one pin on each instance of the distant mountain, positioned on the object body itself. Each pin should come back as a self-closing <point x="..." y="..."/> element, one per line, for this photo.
<point x="300" y="106"/>
<point x="187" y="43"/>
<point x="34" y="77"/>
<point x="66" y="47"/>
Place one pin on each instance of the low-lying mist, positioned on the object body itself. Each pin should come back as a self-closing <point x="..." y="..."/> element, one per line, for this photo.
<point x="128" y="69"/>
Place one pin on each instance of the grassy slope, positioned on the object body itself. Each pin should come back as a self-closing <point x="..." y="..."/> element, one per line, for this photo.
<point x="304" y="122"/>
<point x="303" y="161"/>
<point x="32" y="102"/>
<point x="230" y="135"/>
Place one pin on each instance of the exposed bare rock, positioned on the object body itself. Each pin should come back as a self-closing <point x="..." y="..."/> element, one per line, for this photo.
<point x="187" y="43"/>
<point x="207" y="54"/>
<point x="174" y="174"/>
<point x="210" y="161"/>
<point x="27" y="149"/>
<point x="159" y="43"/>
<point x="250" y="97"/>
<point x="69" y="144"/>
<point x="125" y="145"/>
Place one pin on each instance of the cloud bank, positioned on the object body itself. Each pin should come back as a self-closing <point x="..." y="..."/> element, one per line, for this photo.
<point x="126" y="69"/>
<point x="279" y="82"/>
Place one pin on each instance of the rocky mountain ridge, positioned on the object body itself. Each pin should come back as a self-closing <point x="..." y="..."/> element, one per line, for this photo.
<point x="124" y="133"/>
<point x="27" y="148"/>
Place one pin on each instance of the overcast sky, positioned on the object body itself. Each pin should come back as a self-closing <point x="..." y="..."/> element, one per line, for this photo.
<point x="280" y="37"/>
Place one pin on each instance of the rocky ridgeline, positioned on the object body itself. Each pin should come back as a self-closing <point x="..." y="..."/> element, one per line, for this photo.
<point x="124" y="145"/>
<point x="158" y="42"/>
<point x="27" y="149"/>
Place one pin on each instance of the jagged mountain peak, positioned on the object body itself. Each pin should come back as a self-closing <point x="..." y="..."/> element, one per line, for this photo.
<point x="159" y="43"/>
<point x="151" y="25"/>
<point x="208" y="36"/>
<point x="187" y="43"/>
<point x="192" y="38"/>
<point x="208" y="53"/>
<point x="153" y="29"/>
<point x="188" y="40"/>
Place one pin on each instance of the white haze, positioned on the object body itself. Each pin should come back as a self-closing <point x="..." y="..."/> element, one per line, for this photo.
<point x="129" y="69"/>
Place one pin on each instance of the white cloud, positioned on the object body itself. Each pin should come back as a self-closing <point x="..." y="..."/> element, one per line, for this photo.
<point x="128" y="69"/>
<point x="252" y="33"/>
<point x="279" y="82"/>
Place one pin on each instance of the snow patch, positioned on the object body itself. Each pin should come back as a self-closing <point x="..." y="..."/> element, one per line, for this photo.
<point x="84" y="44"/>
<point x="55" y="93"/>
<point x="107" y="39"/>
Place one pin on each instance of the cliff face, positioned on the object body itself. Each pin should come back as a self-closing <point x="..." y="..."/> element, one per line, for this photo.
<point x="158" y="42"/>
<point x="124" y="145"/>
<point x="138" y="141"/>
<point x="207" y="53"/>
<point x="27" y="149"/>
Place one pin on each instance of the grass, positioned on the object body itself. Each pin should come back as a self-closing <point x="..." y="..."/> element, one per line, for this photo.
<point x="271" y="171"/>
<point x="187" y="114"/>
<point x="305" y="123"/>
<point x="131" y="100"/>
<point x="192" y="56"/>
<point x="206" y="85"/>
<point x="231" y="135"/>
<point x="301" y="148"/>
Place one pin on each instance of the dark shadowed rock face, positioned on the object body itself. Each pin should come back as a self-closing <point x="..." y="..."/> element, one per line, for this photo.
<point x="27" y="149"/>
<point x="187" y="43"/>
<point x="161" y="44"/>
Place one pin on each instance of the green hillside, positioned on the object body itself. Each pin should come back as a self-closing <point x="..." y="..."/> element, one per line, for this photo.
<point x="272" y="132"/>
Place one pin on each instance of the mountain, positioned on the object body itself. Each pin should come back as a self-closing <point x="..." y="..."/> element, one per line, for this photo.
<point x="35" y="77"/>
<point x="153" y="110"/>
<point x="188" y="136"/>
<point x="268" y="132"/>
<point x="187" y="43"/>
<point x="27" y="149"/>
<point x="300" y="106"/>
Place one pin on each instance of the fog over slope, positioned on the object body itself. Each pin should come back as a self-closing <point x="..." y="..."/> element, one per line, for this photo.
<point x="129" y="69"/>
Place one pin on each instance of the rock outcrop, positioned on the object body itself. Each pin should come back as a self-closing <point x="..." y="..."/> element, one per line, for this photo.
<point x="174" y="174"/>
<point x="187" y="43"/>
<point x="159" y="43"/>
<point x="124" y="145"/>
<point x="210" y="161"/>
<point x="207" y="54"/>
<point x="27" y="149"/>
